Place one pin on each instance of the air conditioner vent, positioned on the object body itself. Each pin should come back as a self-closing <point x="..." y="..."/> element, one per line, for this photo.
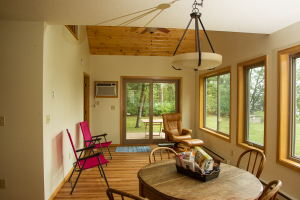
<point x="106" y="89"/>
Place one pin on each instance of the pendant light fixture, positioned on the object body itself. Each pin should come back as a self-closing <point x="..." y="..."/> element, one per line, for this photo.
<point x="196" y="60"/>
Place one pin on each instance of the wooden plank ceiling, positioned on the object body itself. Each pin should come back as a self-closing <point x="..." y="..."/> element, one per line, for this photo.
<point x="116" y="40"/>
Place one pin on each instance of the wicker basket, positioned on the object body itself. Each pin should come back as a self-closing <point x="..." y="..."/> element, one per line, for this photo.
<point x="197" y="175"/>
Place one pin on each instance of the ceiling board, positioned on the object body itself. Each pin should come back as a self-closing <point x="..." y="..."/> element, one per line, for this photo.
<point x="107" y="40"/>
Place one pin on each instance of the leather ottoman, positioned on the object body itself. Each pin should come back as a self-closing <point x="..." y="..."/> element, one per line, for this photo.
<point x="192" y="143"/>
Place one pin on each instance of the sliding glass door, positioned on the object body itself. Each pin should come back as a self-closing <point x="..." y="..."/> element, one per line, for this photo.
<point x="144" y="102"/>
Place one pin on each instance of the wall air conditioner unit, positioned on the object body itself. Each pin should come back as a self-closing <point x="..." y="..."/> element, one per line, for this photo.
<point x="106" y="89"/>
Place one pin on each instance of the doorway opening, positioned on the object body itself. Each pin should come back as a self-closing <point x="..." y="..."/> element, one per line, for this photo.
<point x="86" y="98"/>
<point x="144" y="100"/>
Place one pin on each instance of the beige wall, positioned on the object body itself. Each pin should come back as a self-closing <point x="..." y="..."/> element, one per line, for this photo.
<point x="37" y="59"/>
<point x="21" y="87"/>
<point x="63" y="73"/>
<point x="111" y="68"/>
<point x="239" y="47"/>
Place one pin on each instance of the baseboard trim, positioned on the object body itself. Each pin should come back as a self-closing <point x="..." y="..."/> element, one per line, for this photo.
<point x="60" y="185"/>
<point x="114" y="145"/>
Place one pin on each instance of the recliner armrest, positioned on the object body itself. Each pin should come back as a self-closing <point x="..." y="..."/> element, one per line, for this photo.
<point x="186" y="131"/>
<point x="167" y="132"/>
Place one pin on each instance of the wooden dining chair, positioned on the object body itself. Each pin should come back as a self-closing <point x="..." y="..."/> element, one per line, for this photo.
<point x="271" y="190"/>
<point x="111" y="191"/>
<point x="152" y="154"/>
<point x="257" y="154"/>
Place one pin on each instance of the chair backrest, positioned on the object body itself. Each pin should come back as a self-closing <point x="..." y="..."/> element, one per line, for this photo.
<point x="254" y="161"/>
<point x="72" y="144"/>
<point x="86" y="132"/>
<point x="152" y="154"/>
<point x="111" y="191"/>
<point x="271" y="194"/>
<point x="173" y="123"/>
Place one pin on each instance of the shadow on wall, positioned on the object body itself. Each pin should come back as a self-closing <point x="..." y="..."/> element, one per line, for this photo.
<point x="57" y="169"/>
<point x="59" y="149"/>
<point x="77" y="136"/>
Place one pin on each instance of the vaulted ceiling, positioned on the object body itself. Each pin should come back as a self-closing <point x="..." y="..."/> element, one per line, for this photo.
<point x="106" y="40"/>
<point x="252" y="16"/>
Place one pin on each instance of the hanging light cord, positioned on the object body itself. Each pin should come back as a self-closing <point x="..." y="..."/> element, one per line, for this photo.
<point x="195" y="14"/>
<point x="195" y="9"/>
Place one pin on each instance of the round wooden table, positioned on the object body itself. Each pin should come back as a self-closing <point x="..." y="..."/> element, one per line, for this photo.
<point x="160" y="180"/>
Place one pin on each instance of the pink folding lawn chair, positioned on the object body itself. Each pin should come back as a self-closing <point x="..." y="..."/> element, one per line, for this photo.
<point x="94" y="140"/>
<point x="87" y="162"/>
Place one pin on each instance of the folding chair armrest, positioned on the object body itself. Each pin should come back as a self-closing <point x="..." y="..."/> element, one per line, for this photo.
<point x="94" y="140"/>
<point x="100" y="135"/>
<point x="86" y="148"/>
<point x="90" y="156"/>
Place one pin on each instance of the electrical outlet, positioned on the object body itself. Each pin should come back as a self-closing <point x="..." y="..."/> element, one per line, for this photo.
<point x="3" y="184"/>
<point x="113" y="107"/>
<point x="69" y="156"/>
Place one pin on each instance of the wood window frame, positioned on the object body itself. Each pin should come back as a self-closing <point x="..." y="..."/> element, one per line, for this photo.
<point x="202" y="102"/>
<point x="73" y="30"/>
<point x="242" y="67"/>
<point x="283" y="109"/>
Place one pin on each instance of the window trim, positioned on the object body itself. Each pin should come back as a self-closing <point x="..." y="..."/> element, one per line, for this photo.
<point x="241" y="94"/>
<point x="282" y="158"/>
<point x="202" y="102"/>
<point x="73" y="30"/>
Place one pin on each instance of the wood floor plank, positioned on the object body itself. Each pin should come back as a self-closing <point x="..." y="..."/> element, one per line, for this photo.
<point x="121" y="173"/>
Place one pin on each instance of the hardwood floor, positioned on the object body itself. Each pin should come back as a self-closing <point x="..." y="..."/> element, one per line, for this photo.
<point x="121" y="173"/>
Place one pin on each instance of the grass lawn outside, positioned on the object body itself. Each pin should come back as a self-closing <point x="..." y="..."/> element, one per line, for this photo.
<point x="256" y="131"/>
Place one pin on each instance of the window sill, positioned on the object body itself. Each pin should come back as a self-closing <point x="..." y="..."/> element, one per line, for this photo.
<point x="216" y="134"/>
<point x="290" y="164"/>
<point x="247" y="147"/>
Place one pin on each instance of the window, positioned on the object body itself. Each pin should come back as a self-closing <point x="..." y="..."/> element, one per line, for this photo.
<point x="251" y="119"/>
<point x="288" y="152"/>
<point x="215" y="89"/>
<point x="74" y="30"/>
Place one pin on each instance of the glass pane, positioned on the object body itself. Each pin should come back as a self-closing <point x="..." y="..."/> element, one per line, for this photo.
<point x="255" y="104"/>
<point x="224" y="88"/>
<point x="296" y="145"/>
<point x="163" y="102"/>
<point x="137" y="110"/>
<point x="211" y="102"/>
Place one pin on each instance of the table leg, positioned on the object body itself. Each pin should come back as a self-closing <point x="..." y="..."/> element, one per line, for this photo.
<point x="141" y="193"/>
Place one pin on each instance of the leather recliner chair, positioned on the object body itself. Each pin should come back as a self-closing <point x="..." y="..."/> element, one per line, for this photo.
<point x="173" y="128"/>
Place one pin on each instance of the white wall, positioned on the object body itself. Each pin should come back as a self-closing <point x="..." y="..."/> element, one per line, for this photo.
<point x="63" y="73"/>
<point x="21" y="88"/>
<point x="239" y="47"/>
<point x="111" y="68"/>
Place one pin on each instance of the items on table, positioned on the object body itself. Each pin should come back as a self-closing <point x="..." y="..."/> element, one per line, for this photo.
<point x="197" y="160"/>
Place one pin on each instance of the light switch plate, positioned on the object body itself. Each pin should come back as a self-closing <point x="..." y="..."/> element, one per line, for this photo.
<point x="113" y="107"/>
<point x="2" y="120"/>
<point x="47" y="119"/>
